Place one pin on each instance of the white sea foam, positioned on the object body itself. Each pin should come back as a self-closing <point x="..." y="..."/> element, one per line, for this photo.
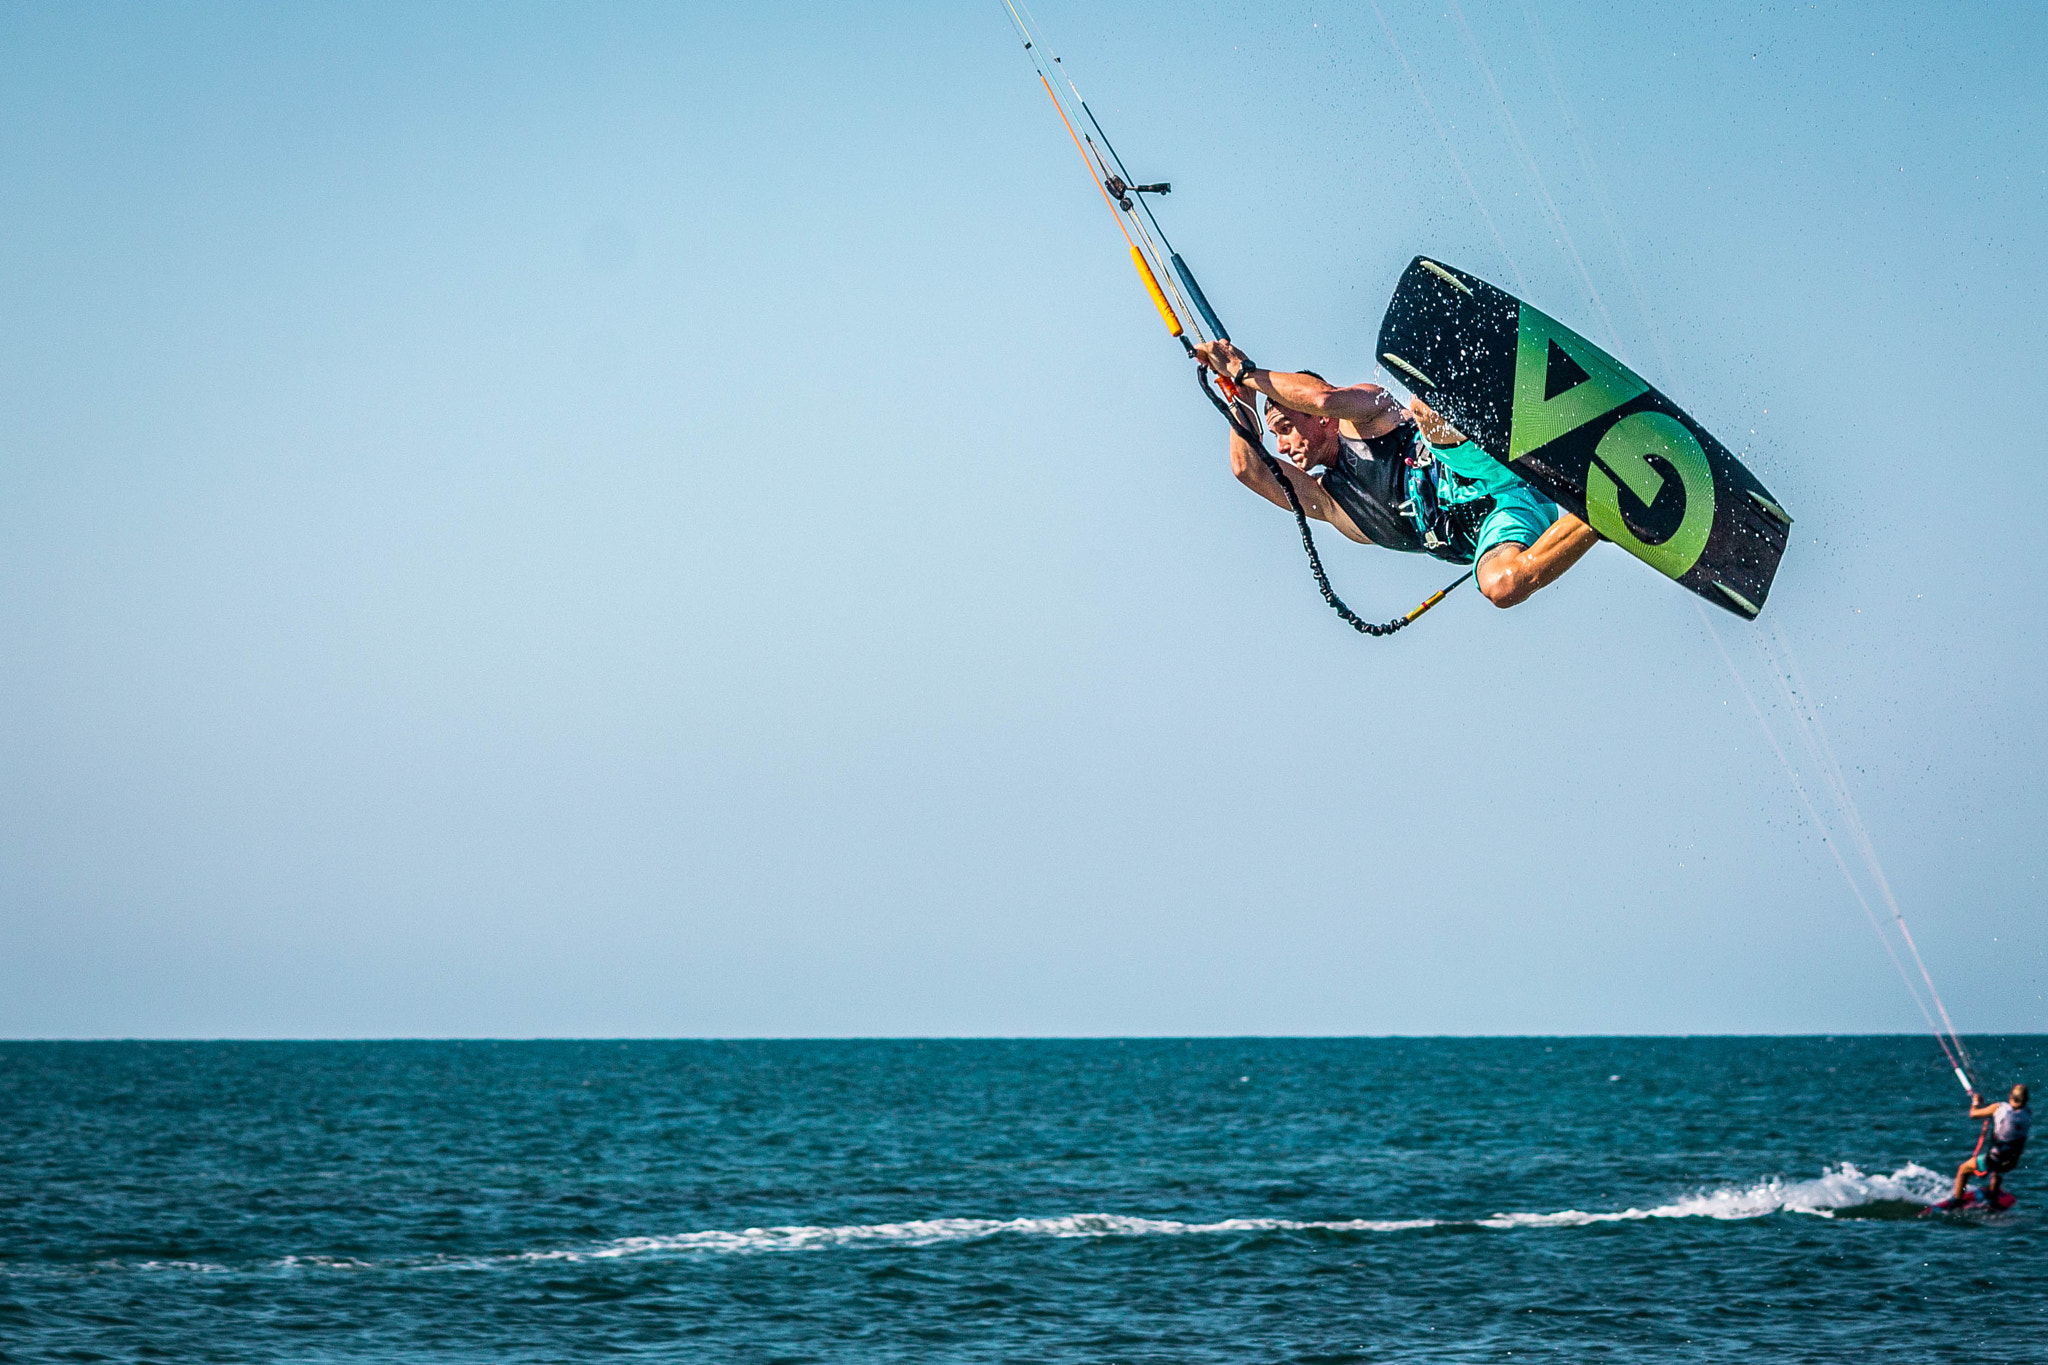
<point x="937" y="1231"/>
<point x="1836" y="1189"/>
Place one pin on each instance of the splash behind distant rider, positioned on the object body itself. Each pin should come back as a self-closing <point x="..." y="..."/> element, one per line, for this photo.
<point x="2004" y="1139"/>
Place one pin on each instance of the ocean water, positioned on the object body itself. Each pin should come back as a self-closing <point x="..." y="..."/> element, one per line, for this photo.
<point x="1240" y="1200"/>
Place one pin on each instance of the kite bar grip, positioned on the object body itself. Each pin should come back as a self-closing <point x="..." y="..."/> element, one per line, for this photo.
<point x="1158" y="295"/>
<point x="1964" y="1079"/>
<point x="1201" y="301"/>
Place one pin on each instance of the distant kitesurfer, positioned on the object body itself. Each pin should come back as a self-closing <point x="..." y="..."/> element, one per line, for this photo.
<point x="1401" y="478"/>
<point x="2004" y="1140"/>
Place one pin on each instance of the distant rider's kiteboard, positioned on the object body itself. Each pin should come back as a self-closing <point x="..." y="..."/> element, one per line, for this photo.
<point x="1588" y="431"/>
<point x="1974" y="1200"/>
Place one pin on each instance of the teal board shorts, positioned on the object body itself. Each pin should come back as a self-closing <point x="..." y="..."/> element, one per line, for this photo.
<point x="1520" y="513"/>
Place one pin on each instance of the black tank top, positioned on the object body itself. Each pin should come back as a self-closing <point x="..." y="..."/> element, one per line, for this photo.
<point x="1369" y="480"/>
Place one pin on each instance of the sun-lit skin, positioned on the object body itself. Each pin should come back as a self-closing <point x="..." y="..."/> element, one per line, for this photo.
<point x="1307" y="416"/>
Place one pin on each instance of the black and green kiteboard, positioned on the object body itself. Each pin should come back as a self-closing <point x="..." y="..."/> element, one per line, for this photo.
<point x="1588" y="431"/>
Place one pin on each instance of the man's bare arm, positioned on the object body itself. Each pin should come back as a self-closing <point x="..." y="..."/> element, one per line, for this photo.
<point x="1370" y="409"/>
<point x="1508" y="575"/>
<point x="1254" y="473"/>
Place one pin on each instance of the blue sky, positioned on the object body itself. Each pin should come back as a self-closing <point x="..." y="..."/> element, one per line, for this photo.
<point x="667" y="520"/>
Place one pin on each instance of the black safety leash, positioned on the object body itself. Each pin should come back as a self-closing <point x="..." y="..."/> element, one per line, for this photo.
<point x="1252" y="437"/>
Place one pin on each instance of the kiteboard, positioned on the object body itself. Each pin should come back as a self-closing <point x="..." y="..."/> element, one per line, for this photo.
<point x="1593" y="435"/>
<point x="1974" y="1200"/>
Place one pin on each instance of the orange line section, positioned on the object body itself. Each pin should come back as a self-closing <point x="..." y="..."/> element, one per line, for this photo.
<point x="1061" y="110"/>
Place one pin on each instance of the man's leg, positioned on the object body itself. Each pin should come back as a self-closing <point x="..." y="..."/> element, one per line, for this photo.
<point x="1963" y="1174"/>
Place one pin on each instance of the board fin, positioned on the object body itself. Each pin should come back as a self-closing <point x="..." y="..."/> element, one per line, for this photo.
<point x="1742" y="604"/>
<point x="1454" y="281"/>
<point x="1776" y="513"/>
<point x="1408" y="369"/>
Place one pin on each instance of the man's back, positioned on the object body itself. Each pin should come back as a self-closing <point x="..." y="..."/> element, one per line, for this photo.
<point x="2010" y="1124"/>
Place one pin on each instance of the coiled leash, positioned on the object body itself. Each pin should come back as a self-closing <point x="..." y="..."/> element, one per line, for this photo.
<point x="1234" y="414"/>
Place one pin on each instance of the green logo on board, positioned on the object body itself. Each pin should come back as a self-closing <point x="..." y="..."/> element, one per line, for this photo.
<point x="1562" y="382"/>
<point x="1623" y="453"/>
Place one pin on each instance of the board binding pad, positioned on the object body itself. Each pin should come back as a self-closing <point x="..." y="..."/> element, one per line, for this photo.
<point x="1591" y="434"/>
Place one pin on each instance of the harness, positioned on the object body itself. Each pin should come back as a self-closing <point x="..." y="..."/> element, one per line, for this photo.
<point x="1450" y="531"/>
<point x="1393" y="488"/>
<point x="2003" y="1156"/>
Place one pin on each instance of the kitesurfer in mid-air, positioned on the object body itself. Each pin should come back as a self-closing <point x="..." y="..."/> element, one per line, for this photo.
<point x="2006" y="1139"/>
<point x="1401" y="478"/>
